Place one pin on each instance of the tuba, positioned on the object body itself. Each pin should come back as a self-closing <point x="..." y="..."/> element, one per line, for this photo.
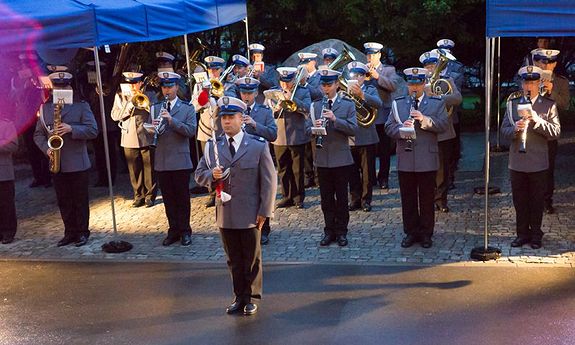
<point x="55" y="141"/>
<point x="342" y="60"/>
<point x="365" y="113"/>
<point x="441" y="86"/>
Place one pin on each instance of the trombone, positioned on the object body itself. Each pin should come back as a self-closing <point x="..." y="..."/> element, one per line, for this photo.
<point x="217" y="89"/>
<point x="289" y="104"/>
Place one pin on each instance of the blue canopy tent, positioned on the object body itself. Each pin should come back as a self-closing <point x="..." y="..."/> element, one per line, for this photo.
<point x="516" y="18"/>
<point x="62" y="24"/>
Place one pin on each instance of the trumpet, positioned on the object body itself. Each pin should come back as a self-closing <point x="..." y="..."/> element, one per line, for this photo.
<point x="159" y="129"/>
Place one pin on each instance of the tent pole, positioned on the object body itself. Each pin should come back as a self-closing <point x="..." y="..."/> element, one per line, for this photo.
<point x="188" y="65"/>
<point x="247" y="36"/>
<point x="485" y="252"/>
<point x="497" y="147"/>
<point x="114" y="246"/>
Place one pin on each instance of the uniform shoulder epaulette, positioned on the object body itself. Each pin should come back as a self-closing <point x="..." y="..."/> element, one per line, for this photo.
<point x="399" y="98"/>
<point x="302" y="86"/>
<point x="257" y="137"/>
<point x="263" y="106"/>
<point x="435" y="97"/>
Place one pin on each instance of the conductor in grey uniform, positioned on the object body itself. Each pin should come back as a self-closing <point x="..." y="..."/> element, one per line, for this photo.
<point x="258" y="120"/>
<point x="332" y="156"/>
<point x="77" y="126"/>
<point x="415" y="122"/>
<point x="174" y="122"/>
<point x="239" y="166"/>
<point x="529" y="122"/>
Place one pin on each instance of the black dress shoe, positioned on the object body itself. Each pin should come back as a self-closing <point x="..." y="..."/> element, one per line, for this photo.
<point x="250" y="309"/>
<point x="299" y="205"/>
<point x="265" y="239"/>
<point x="520" y="241"/>
<point x="426" y="242"/>
<point x="35" y="184"/>
<point x="138" y="203"/>
<point x="326" y="240"/>
<point x="383" y="185"/>
<point x="169" y="240"/>
<point x="445" y="209"/>
<point x="211" y="202"/>
<point x="354" y="206"/>
<point x="81" y="241"/>
<point x="536" y="243"/>
<point x="186" y="240"/>
<point x="342" y="240"/>
<point x="235" y="307"/>
<point x="7" y="239"/>
<point x="366" y="207"/>
<point x="149" y="203"/>
<point x="285" y="203"/>
<point x="408" y="241"/>
<point x="66" y="241"/>
<point x="549" y="209"/>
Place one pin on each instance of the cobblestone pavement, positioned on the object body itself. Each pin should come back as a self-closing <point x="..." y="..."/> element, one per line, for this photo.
<point x="373" y="237"/>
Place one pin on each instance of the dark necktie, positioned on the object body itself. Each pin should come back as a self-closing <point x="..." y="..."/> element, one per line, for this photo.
<point x="232" y="148"/>
<point x="248" y="111"/>
<point x="329" y="104"/>
<point x="416" y="105"/>
<point x="169" y="107"/>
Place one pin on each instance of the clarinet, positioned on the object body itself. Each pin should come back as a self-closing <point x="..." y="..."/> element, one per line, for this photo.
<point x="319" y="138"/>
<point x="162" y="124"/>
<point x="414" y="106"/>
<point x="526" y="102"/>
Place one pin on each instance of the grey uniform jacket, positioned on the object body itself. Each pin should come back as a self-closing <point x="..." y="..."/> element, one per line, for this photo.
<point x="386" y="84"/>
<point x="536" y="158"/>
<point x="560" y="93"/>
<point x="314" y="87"/>
<point x="134" y="135"/>
<point x="265" y="124"/>
<point x="452" y="100"/>
<point x="363" y="135"/>
<point x="292" y="125"/>
<point x="336" y="152"/>
<point x="173" y="150"/>
<point x="424" y="156"/>
<point x="8" y="145"/>
<point x="252" y="181"/>
<point x="74" y="153"/>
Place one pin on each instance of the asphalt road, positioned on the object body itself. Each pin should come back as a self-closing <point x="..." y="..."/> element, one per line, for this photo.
<point x="168" y="303"/>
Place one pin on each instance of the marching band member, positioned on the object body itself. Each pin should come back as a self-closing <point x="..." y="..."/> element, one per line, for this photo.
<point x="165" y="63"/>
<point x="175" y="123"/>
<point x="385" y="80"/>
<point x="265" y="73"/>
<point x="329" y="55"/>
<point x="8" y="145"/>
<point x="417" y="158"/>
<point x="455" y="70"/>
<point x="363" y="145"/>
<point x="556" y="88"/>
<point x="445" y="140"/>
<point x="309" y="62"/>
<point x="332" y="156"/>
<point x="258" y="120"/>
<point x="529" y="122"/>
<point x="291" y="139"/>
<point x="245" y="202"/>
<point x="241" y="70"/>
<point x="77" y="126"/>
<point x="136" y="142"/>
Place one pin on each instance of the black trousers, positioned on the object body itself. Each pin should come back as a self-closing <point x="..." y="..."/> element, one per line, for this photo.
<point x="141" y="168"/>
<point x="196" y="151"/>
<point x="100" y="155"/>
<point x="8" y="223"/>
<point x="456" y="153"/>
<point x="73" y="201"/>
<point x="443" y="177"/>
<point x="176" y="194"/>
<point x="528" y="199"/>
<point x="244" y="253"/>
<point x="290" y="161"/>
<point x="552" y="145"/>
<point x="362" y="176"/>
<point x="417" y="192"/>
<point x="308" y="163"/>
<point x="383" y="152"/>
<point x="38" y="159"/>
<point x="334" y="203"/>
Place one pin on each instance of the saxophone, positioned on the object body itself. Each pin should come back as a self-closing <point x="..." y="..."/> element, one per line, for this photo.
<point x="55" y="142"/>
